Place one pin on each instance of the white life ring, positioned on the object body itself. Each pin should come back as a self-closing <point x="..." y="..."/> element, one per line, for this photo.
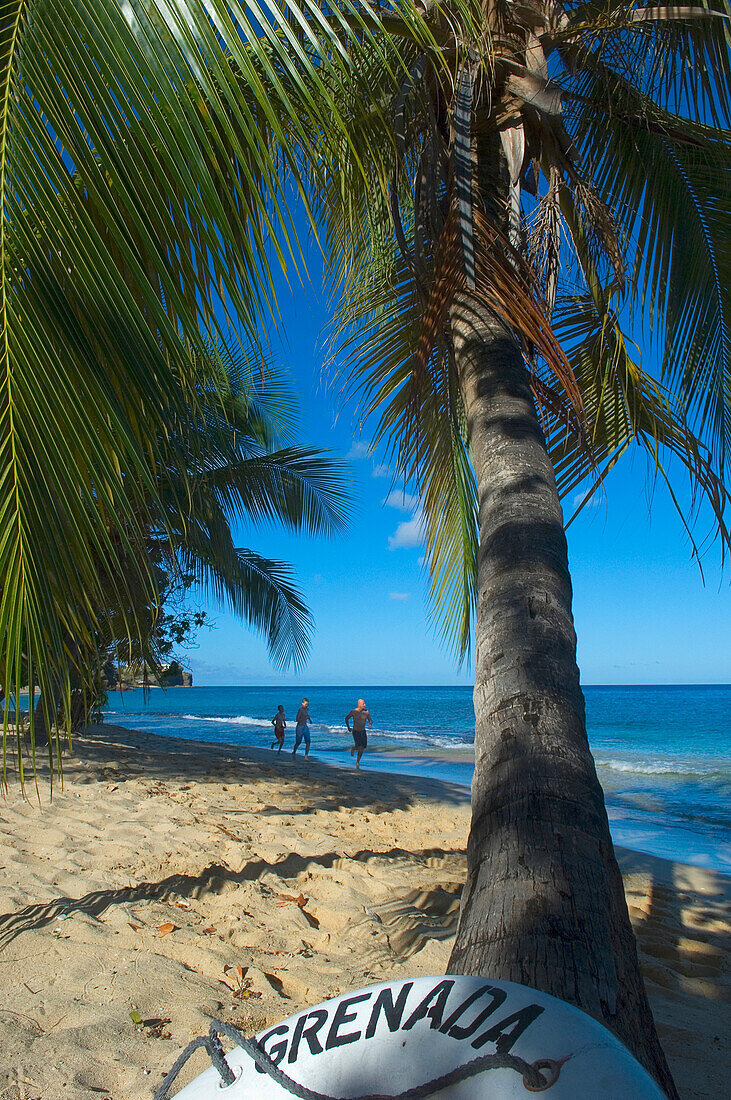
<point x="390" y="1038"/>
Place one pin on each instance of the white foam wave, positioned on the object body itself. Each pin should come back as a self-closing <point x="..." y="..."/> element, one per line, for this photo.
<point x="390" y="735"/>
<point x="238" y="720"/>
<point x="423" y="739"/>
<point x="678" y="767"/>
<point x="401" y="735"/>
<point x="445" y="742"/>
<point x="322" y="728"/>
<point x="460" y="743"/>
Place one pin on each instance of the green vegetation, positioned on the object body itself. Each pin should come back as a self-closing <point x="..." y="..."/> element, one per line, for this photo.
<point x="137" y="192"/>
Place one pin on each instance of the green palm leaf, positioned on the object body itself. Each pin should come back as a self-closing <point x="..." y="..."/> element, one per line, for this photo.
<point x="646" y="201"/>
<point x="675" y="221"/>
<point x="676" y="54"/>
<point x="140" y="199"/>
<point x="261" y="591"/>
<point x="625" y="405"/>
<point x="293" y="486"/>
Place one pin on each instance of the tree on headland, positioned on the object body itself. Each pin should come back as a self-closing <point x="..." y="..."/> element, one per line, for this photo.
<point x="141" y="210"/>
<point x="553" y="172"/>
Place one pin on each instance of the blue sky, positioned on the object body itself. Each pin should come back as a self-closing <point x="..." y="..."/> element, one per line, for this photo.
<point x="642" y="611"/>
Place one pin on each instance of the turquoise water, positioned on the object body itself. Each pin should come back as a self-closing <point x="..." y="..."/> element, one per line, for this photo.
<point x="663" y="753"/>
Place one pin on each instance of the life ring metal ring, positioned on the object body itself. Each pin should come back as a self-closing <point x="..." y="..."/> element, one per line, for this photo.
<point x="553" y="1066"/>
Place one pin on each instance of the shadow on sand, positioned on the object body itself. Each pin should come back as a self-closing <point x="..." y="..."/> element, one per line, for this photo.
<point x="306" y="785"/>
<point x="213" y="879"/>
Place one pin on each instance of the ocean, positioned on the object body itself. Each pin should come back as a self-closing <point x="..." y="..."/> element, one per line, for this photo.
<point x="663" y="754"/>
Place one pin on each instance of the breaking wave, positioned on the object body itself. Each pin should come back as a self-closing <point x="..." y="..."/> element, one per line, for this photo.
<point x="238" y="720"/>
<point x="708" y="770"/>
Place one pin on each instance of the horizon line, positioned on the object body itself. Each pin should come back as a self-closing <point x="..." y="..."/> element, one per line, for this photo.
<point x="373" y="687"/>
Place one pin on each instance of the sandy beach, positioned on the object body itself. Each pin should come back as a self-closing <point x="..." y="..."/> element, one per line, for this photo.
<point x="174" y="881"/>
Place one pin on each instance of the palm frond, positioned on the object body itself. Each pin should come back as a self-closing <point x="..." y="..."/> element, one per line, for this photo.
<point x="677" y="55"/>
<point x="637" y="189"/>
<point x="674" y="220"/>
<point x="625" y="405"/>
<point x="140" y="202"/>
<point x="259" y="590"/>
<point x="297" y="487"/>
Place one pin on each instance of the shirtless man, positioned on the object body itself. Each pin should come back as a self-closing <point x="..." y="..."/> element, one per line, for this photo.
<point x="303" y="717"/>
<point x="360" y="739"/>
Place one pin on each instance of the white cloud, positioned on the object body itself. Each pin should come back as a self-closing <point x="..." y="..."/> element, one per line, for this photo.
<point x="593" y="503"/>
<point x="402" y="597"/>
<point x="381" y="471"/>
<point x="409" y="533"/>
<point x="358" y="450"/>
<point x="226" y="673"/>
<point x="405" y="502"/>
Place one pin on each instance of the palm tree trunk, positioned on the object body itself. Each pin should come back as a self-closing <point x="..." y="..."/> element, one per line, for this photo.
<point x="543" y="903"/>
<point x="45" y="708"/>
<point x="40" y="726"/>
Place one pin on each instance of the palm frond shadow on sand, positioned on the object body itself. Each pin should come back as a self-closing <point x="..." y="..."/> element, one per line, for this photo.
<point x="213" y="879"/>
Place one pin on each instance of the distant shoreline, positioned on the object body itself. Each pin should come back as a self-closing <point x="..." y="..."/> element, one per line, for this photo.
<point x="666" y="839"/>
<point x="151" y="687"/>
<point x="662" y="752"/>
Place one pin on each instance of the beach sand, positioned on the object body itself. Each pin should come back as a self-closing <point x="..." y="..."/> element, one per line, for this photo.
<point x="224" y="845"/>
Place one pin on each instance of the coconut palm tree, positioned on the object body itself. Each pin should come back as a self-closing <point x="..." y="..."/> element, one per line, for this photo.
<point x="141" y="212"/>
<point x="546" y="174"/>
<point x="240" y="470"/>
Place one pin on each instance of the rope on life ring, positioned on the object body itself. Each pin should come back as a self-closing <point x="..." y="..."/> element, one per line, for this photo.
<point x="537" y="1076"/>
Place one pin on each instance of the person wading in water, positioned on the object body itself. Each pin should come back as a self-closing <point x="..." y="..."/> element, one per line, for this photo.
<point x="360" y="739"/>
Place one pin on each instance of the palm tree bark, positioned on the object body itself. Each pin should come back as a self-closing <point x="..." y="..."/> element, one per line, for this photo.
<point x="45" y="708"/>
<point x="544" y="903"/>
<point x="41" y="733"/>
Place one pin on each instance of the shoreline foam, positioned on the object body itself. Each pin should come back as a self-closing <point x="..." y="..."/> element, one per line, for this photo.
<point x="217" y="840"/>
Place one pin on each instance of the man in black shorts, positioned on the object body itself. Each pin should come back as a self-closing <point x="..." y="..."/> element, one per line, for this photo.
<point x="360" y="739"/>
